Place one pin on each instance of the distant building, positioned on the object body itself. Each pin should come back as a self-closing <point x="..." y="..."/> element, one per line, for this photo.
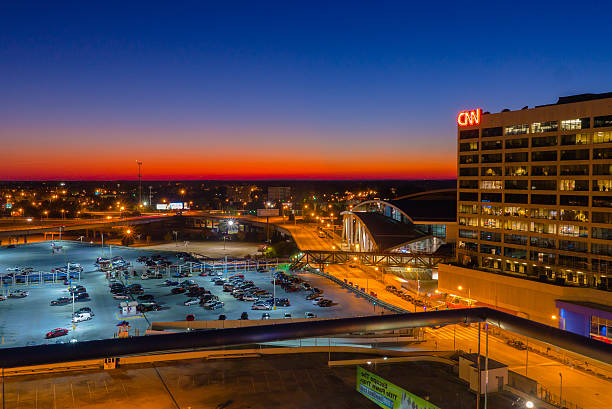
<point x="279" y="193"/>
<point x="535" y="212"/>
<point x="240" y="193"/>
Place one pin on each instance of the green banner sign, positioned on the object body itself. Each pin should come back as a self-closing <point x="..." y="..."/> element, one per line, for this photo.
<point x="387" y="395"/>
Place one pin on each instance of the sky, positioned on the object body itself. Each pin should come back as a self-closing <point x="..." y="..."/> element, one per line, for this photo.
<point x="277" y="90"/>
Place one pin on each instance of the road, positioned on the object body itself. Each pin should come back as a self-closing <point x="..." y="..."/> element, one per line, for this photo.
<point x="76" y="224"/>
<point x="579" y="387"/>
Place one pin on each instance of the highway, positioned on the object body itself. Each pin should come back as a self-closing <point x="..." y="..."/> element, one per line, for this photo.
<point x="76" y="224"/>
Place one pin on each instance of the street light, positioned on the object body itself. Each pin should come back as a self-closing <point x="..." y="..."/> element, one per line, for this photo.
<point x="469" y="295"/>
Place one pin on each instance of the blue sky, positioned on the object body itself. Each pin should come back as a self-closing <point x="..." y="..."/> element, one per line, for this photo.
<point x="377" y="77"/>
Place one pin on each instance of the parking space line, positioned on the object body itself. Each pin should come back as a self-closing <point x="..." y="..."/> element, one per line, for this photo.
<point x="128" y="318"/>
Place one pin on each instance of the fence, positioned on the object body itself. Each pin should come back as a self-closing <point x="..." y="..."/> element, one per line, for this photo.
<point x="547" y="396"/>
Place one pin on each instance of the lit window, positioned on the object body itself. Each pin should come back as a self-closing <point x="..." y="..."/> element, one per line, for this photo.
<point x="538" y="127"/>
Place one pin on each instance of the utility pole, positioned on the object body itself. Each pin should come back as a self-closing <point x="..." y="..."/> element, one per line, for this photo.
<point x="479" y="373"/>
<point x="139" y="183"/>
<point x="150" y="196"/>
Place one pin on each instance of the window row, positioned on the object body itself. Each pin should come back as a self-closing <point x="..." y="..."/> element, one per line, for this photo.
<point x="562" y="229"/>
<point x="538" y="156"/>
<point x="538" y="256"/>
<point x="536" y="141"/>
<point x="542" y="199"/>
<point x="574" y="185"/>
<point x="599" y="169"/>
<point x="540" y="242"/>
<point x="536" y="213"/>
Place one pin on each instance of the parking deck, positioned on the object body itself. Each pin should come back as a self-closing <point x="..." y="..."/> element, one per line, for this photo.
<point x="24" y="321"/>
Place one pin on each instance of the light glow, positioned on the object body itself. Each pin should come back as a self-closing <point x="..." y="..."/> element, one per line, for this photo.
<point x="469" y="118"/>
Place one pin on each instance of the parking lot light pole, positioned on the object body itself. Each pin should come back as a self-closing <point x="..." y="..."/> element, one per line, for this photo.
<point x="274" y="291"/>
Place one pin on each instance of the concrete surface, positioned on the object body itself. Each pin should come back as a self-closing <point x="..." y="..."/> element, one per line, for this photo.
<point x="290" y="382"/>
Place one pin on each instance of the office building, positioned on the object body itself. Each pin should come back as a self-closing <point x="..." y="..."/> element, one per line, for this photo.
<point x="534" y="190"/>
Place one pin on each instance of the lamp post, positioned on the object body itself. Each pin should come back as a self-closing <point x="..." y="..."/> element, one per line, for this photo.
<point x="139" y="183"/>
<point x="560" y="388"/>
<point x="460" y="288"/>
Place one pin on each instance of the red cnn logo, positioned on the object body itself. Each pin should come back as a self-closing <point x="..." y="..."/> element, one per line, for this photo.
<point x="469" y="118"/>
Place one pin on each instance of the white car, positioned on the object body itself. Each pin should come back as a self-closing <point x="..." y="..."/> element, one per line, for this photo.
<point x="192" y="301"/>
<point x="261" y="307"/>
<point x="2" y="298"/>
<point x="120" y="297"/>
<point x="249" y="297"/>
<point x="315" y="301"/>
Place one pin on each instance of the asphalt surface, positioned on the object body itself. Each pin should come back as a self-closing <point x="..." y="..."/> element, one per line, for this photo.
<point x="25" y="321"/>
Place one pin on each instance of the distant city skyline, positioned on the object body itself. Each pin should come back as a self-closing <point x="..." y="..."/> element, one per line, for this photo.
<point x="276" y="91"/>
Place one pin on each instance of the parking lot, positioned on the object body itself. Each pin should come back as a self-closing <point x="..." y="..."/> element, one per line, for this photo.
<point x="25" y="321"/>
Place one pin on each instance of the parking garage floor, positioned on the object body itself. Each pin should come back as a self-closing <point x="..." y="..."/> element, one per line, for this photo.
<point x="25" y="321"/>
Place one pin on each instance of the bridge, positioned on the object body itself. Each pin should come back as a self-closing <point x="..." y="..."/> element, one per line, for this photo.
<point x="75" y="224"/>
<point x="372" y="259"/>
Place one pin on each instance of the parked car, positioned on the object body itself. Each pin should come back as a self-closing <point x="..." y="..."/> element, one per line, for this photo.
<point x="84" y="309"/>
<point x="148" y="307"/>
<point x="177" y="290"/>
<point x="282" y="302"/>
<point x="18" y="294"/>
<point x="325" y="303"/>
<point x="265" y="316"/>
<point x="287" y="315"/>
<point x="61" y="301"/>
<point x="310" y="315"/>
<point x="219" y="282"/>
<point x="145" y="297"/>
<point x="81" y="297"/>
<point x="262" y="306"/>
<point x="57" y="332"/>
<point x="192" y="301"/>
<point x="120" y="296"/>
<point x="216" y="305"/>
<point x="222" y="317"/>
<point x="249" y="297"/>
<point x="517" y="344"/>
<point x="170" y="283"/>
<point x="83" y="316"/>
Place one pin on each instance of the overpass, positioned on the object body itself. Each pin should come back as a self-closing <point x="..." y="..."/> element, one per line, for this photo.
<point x="76" y="224"/>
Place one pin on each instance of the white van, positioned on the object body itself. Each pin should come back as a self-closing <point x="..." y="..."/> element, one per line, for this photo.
<point x="83" y="316"/>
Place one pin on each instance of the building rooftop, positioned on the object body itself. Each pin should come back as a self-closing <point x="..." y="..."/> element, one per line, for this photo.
<point x="492" y="363"/>
<point x="389" y="233"/>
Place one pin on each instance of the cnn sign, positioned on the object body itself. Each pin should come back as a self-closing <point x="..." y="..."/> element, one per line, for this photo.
<point x="469" y="118"/>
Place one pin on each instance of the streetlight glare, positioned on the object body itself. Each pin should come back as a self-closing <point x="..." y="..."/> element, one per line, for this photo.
<point x="529" y="404"/>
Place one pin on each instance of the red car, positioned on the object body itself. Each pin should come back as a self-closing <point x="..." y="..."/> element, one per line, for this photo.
<point x="57" y="332"/>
